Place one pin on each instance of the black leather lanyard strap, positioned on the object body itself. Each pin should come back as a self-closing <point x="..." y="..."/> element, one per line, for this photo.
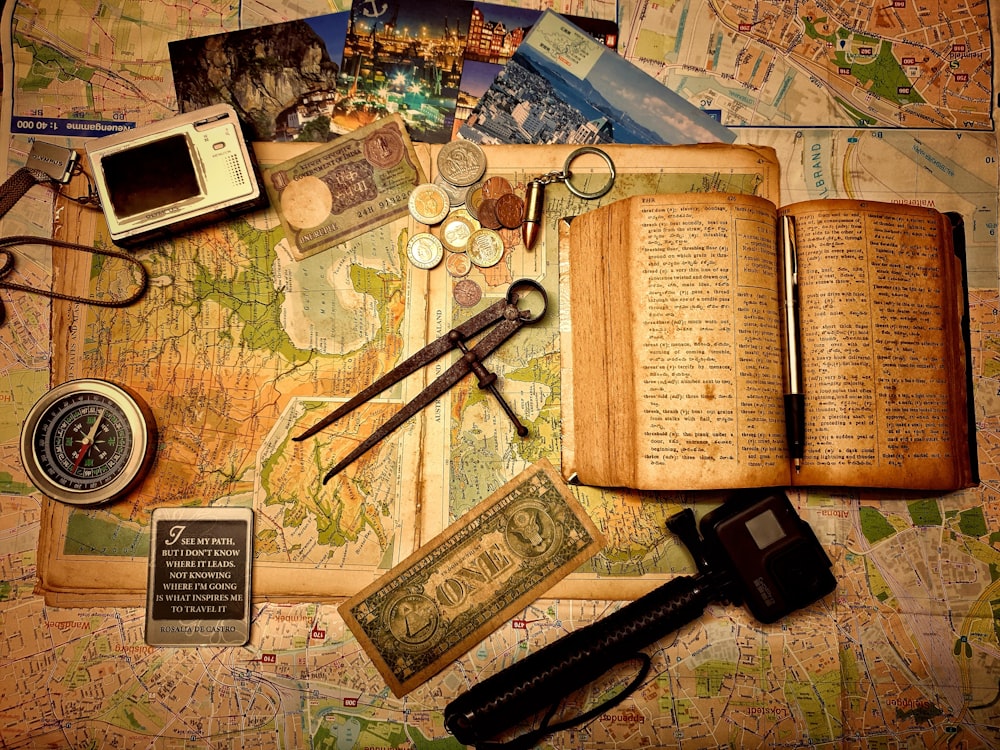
<point x="18" y="184"/>
<point x="11" y="191"/>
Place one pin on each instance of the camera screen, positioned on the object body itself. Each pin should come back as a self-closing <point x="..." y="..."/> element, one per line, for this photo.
<point x="150" y="176"/>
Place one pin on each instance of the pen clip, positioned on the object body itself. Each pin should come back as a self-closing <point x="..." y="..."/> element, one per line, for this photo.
<point x="790" y="253"/>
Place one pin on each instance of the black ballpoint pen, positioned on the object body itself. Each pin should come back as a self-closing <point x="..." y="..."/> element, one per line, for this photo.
<point x="795" y="412"/>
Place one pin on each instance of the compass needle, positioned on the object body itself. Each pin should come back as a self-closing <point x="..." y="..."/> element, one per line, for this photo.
<point x="88" y="440"/>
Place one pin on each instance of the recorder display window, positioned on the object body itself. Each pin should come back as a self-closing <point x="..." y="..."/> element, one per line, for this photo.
<point x="150" y="176"/>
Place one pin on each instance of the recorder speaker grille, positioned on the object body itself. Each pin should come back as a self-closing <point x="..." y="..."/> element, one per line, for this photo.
<point x="235" y="170"/>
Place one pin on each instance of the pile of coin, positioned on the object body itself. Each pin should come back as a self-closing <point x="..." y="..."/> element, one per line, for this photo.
<point x="473" y="217"/>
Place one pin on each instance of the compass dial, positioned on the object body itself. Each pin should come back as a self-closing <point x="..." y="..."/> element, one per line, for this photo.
<point x="88" y="441"/>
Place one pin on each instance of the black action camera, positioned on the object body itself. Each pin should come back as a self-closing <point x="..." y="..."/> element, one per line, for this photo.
<point x="773" y="556"/>
<point x="752" y="549"/>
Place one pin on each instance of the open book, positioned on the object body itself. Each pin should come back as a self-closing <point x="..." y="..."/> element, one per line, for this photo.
<point x="677" y="346"/>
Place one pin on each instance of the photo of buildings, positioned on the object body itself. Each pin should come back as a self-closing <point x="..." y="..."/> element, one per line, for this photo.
<point x="545" y="95"/>
<point x="404" y="58"/>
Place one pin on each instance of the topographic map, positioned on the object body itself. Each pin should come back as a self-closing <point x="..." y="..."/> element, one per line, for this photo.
<point x="247" y="346"/>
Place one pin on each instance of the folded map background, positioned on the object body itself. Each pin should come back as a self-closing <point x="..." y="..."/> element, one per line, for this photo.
<point x="905" y="654"/>
<point x="239" y="347"/>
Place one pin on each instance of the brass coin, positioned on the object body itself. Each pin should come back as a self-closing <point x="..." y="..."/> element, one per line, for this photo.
<point x="487" y="214"/>
<point x="485" y="248"/>
<point x="461" y="162"/>
<point x="424" y="250"/>
<point x="455" y="232"/>
<point x="510" y="210"/>
<point x="474" y="199"/>
<point x="458" y="264"/>
<point x="429" y="204"/>
<point x="467" y="293"/>
<point x="494" y="187"/>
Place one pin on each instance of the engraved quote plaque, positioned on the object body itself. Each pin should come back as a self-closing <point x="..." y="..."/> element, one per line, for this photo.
<point x="200" y="563"/>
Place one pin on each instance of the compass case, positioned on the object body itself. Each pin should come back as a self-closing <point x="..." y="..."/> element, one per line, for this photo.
<point x="88" y="441"/>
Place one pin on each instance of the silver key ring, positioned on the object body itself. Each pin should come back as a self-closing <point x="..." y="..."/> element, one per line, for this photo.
<point x="567" y="173"/>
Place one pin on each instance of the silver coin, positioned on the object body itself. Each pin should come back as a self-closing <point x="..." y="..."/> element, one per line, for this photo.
<point x="456" y="194"/>
<point x="461" y="162"/>
<point x="456" y="230"/>
<point x="485" y="248"/>
<point x="424" y="250"/>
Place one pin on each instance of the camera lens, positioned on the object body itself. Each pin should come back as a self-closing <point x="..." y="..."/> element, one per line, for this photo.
<point x="801" y="573"/>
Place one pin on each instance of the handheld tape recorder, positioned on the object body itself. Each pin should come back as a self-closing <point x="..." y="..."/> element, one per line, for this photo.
<point x="175" y="174"/>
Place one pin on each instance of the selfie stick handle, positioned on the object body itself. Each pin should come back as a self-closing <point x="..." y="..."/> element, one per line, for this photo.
<point x="547" y="676"/>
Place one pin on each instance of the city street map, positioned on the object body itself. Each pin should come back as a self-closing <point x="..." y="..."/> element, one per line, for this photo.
<point x="892" y="102"/>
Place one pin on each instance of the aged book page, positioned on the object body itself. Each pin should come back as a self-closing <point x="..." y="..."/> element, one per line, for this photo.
<point x="676" y="366"/>
<point x="880" y="292"/>
<point x="667" y="169"/>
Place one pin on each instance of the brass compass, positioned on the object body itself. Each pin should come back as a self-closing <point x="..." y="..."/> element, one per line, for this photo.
<point x="88" y="441"/>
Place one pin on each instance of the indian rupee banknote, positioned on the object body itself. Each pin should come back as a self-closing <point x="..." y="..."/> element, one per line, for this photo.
<point x="344" y="188"/>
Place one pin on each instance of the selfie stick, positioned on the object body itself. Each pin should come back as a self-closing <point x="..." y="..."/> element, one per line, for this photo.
<point x="544" y="678"/>
<point x="522" y="689"/>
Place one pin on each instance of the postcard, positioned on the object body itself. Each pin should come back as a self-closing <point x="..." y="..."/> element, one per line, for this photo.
<point x="405" y="58"/>
<point x="563" y="86"/>
<point x="318" y="78"/>
<point x="495" y="33"/>
<point x="280" y="78"/>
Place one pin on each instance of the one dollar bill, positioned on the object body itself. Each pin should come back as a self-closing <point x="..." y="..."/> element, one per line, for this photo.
<point x="458" y="588"/>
